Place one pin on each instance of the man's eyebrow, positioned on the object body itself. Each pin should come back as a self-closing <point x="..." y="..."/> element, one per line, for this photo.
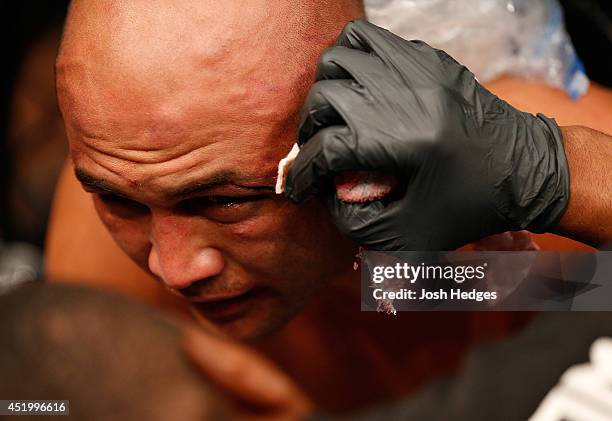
<point x="94" y="182"/>
<point x="219" y="179"/>
<point x="216" y="180"/>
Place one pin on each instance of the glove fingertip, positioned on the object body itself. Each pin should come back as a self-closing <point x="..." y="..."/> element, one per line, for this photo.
<point x="352" y="35"/>
<point x="293" y="195"/>
<point x="291" y="192"/>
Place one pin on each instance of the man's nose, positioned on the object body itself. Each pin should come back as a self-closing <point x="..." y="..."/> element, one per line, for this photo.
<point x="180" y="257"/>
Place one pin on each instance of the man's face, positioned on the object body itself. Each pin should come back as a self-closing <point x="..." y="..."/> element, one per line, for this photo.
<point x="179" y="150"/>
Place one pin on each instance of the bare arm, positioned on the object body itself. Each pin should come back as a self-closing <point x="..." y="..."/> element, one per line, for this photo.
<point x="588" y="217"/>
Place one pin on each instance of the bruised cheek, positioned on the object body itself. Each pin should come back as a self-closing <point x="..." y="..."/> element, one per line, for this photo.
<point x="247" y="230"/>
<point x="258" y="238"/>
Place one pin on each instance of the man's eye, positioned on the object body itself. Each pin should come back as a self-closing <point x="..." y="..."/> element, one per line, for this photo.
<point x="225" y="209"/>
<point x="198" y="204"/>
<point x="227" y="201"/>
<point x="114" y="199"/>
<point x="110" y="198"/>
<point x="117" y="202"/>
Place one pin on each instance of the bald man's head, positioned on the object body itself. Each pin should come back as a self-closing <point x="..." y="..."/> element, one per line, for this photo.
<point x="150" y="52"/>
<point x="177" y="114"/>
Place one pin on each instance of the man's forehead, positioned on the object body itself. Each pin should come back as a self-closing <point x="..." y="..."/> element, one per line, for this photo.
<point x="194" y="159"/>
<point x="202" y="102"/>
<point x="160" y="60"/>
<point x="154" y="136"/>
<point x="202" y="107"/>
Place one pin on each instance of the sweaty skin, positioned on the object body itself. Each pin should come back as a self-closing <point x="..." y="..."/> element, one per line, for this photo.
<point x="147" y="122"/>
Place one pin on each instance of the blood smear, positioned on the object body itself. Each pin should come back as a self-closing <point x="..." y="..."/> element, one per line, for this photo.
<point x="363" y="186"/>
<point x="351" y="187"/>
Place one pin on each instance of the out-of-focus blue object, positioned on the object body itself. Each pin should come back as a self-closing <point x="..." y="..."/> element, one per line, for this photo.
<point x="491" y="37"/>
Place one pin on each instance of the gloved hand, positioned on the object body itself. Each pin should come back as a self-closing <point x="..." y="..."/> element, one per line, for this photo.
<point x="471" y="164"/>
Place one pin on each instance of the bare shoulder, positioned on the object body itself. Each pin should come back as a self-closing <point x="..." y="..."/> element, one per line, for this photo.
<point x="592" y="110"/>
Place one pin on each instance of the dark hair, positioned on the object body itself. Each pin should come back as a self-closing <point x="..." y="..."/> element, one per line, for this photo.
<point x="111" y="357"/>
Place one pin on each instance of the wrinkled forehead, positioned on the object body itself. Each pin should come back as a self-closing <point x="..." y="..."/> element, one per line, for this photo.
<point x="201" y="109"/>
<point x="174" y="137"/>
<point x="169" y="80"/>
<point x="217" y="99"/>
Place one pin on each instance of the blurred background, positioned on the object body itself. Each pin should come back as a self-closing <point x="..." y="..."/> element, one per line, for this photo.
<point x="32" y="143"/>
<point x="33" y="146"/>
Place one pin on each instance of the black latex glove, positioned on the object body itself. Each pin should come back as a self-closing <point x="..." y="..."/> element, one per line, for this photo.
<point x="471" y="164"/>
